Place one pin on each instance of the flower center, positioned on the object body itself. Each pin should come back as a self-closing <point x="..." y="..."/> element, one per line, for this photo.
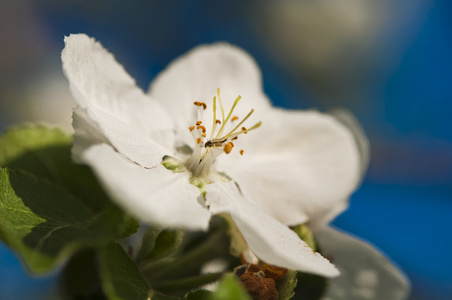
<point x="221" y="137"/>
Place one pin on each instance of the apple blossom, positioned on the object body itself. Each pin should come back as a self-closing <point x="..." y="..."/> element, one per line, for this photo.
<point x="205" y="140"/>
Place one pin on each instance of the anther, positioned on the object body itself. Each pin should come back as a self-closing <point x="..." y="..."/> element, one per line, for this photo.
<point x="244" y="130"/>
<point x="201" y="127"/>
<point x="198" y="123"/>
<point x="199" y="104"/>
<point x="191" y="128"/>
<point x="241" y="152"/>
<point x="218" y="121"/>
<point x="198" y="140"/>
<point x="234" y="138"/>
<point x="228" y="147"/>
<point x="234" y="118"/>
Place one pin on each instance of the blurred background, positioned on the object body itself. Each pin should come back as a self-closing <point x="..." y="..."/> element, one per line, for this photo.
<point x="389" y="62"/>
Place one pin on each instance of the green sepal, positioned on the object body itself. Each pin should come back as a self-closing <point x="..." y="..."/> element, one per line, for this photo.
<point x="167" y="243"/>
<point x="306" y="235"/>
<point x="287" y="285"/>
<point x="159" y="243"/>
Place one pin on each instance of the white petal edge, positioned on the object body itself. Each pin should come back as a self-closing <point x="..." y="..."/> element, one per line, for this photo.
<point x="98" y="82"/>
<point x="154" y="195"/>
<point x="366" y="274"/>
<point x="270" y="240"/>
<point x="298" y="166"/>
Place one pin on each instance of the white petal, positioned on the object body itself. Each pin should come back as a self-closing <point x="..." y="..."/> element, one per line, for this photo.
<point x="98" y="82"/>
<point x="270" y="240"/>
<point x="197" y="75"/>
<point x="154" y="195"/>
<point x="134" y="145"/>
<point x="365" y="273"/>
<point x="299" y="166"/>
<point x="87" y="133"/>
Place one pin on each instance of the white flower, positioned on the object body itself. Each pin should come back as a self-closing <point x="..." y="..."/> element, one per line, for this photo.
<point x="161" y="156"/>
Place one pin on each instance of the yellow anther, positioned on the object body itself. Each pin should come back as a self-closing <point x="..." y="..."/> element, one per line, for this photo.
<point x="199" y="123"/>
<point x="234" y="118"/>
<point x="198" y="140"/>
<point x="201" y="127"/>
<point x="191" y="128"/>
<point x="228" y="147"/>
<point x="199" y="104"/>
<point x="218" y="121"/>
<point x="244" y="130"/>
<point x="234" y="138"/>
<point x="241" y="151"/>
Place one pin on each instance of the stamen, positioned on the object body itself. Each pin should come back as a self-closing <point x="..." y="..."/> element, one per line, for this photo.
<point x="207" y="150"/>
<point x="241" y="131"/>
<point x="229" y="115"/>
<point x="241" y="122"/>
<point x="221" y="105"/>
<point x="215" y="121"/>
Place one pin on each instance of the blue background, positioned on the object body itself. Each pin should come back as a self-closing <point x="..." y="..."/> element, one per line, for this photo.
<point x="399" y="87"/>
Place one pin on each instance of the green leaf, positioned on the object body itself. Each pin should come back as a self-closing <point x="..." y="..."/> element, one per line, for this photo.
<point x="79" y="278"/>
<point x="46" y="153"/>
<point x="287" y="285"/>
<point x="121" y="279"/>
<point x="230" y="288"/>
<point x="44" y="224"/>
